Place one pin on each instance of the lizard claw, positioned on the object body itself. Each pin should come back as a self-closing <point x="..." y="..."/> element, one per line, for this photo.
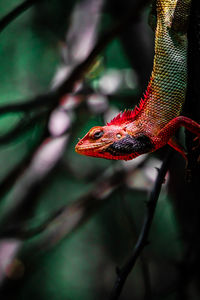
<point x="197" y="144"/>
<point x="197" y="147"/>
<point x="193" y="159"/>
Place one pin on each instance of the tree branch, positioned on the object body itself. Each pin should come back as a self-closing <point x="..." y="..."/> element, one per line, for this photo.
<point x="142" y="241"/>
<point x="11" y="16"/>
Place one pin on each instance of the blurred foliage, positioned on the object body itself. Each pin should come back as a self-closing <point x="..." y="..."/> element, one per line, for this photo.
<point x="81" y="266"/>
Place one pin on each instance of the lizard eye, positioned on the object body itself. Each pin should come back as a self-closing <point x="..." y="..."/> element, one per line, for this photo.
<point x="97" y="134"/>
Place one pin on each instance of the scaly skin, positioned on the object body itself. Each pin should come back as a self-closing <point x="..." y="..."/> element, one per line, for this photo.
<point x="154" y="123"/>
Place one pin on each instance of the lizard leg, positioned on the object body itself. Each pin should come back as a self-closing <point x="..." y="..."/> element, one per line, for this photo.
<point x="174" y="143"/>
<point x="169" y="130"/>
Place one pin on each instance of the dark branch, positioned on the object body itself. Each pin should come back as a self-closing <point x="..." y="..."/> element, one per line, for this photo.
<point x="142" y="241"/>
<point x="30" y="105"/>
<point x="22" y="127"/>
<point x="5" y="21"/>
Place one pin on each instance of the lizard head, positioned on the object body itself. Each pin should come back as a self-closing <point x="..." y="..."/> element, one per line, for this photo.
<point x="112" y="142"/>
<point x="98" y="140"/>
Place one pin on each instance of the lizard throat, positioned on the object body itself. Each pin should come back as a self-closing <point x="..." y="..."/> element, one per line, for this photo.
<point x="131" y="146"/>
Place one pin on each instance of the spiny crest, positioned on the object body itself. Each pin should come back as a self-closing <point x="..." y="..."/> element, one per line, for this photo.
<point x="122" y="117"/>
<point x="130" y="114"/>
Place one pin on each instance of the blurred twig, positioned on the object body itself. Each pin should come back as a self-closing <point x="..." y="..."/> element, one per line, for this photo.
<point x="142" y="241"/>
<point x="30" y="184"/>
<point x="17" y="171"/>
<point x="78" y="72"/>
<point x="11" y="16"/>
<point x="70" y="217"/>
<point x="22" y="127"/>
<point x="83" y="31"/>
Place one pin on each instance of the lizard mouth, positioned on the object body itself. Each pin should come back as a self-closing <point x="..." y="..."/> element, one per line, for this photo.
<point x="83" y="149"/>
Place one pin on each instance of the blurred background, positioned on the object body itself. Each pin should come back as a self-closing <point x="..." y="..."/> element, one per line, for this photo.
<point x="67" y="221"/>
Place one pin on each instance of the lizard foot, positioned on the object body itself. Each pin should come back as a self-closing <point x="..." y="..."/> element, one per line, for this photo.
<point x="196" y="147"/>
<point x="197" y="141"/>
<point x="193" y="160"/>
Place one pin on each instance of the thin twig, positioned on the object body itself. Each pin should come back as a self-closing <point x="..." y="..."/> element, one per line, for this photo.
<point x="142" y="241"/>
<point x="11" y="16"/>
<point x="143" y="262"/>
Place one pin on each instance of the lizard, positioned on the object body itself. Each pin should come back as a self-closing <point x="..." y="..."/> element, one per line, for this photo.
<point x="154" y="122"/>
